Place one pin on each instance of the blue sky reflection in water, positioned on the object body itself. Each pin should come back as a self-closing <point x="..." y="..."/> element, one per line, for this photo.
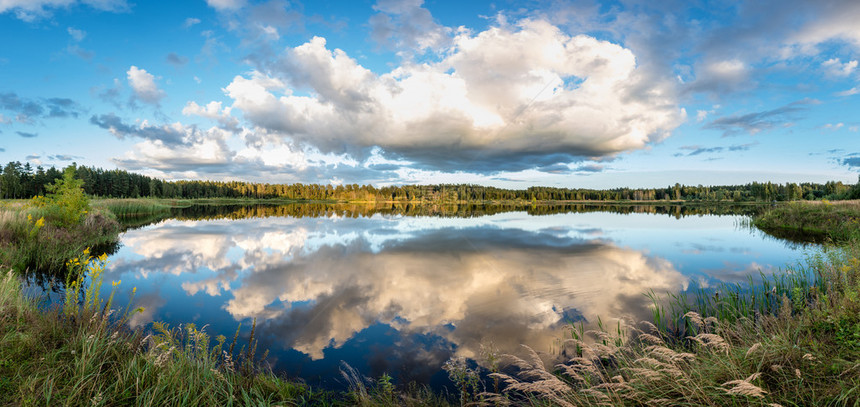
<point x="400" y="294"/>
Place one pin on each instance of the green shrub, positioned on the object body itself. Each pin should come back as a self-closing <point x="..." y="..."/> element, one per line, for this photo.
<point x="66" y="204"/>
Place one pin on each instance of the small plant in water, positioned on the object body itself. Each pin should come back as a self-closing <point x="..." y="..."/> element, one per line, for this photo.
<point x="467" y="379"/>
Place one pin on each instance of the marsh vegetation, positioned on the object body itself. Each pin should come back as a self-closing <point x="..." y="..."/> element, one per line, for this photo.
<point x="784" y="337"/>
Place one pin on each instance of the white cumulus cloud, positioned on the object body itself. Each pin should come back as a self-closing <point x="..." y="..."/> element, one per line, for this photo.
<point x="504" y="98"/>
<point x="835" y="67"/>
<point x="144" y="86"/>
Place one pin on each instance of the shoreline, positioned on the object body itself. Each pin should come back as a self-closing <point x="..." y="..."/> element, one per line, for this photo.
<point x="704" y="341"/>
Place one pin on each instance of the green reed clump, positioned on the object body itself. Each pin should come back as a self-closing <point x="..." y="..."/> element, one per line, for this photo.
<point x="133" y="208"/>
<point x="817" y="221"/>
<point x="792" y="341"/>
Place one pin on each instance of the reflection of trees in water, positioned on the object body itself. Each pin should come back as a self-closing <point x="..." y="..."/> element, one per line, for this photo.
<point x="355" y="210"/>
<point x="55" y="279"/>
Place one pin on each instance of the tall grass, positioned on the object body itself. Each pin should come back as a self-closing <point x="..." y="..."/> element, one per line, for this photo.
<point x="29" y="242"/>
<point x="83" y="354"/>
<point x="133" y="208"/>
<point x="818" y="221"/>
<point x="792" y="341"/>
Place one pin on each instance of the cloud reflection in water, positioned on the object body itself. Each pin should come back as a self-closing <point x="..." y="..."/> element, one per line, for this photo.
<point x="314" y="283"/>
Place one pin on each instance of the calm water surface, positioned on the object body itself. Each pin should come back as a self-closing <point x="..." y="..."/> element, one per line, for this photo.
<point x="396" y="294"/>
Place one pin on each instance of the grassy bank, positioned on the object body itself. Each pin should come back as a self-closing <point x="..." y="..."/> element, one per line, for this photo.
<point x="132" y="208"/>
<point x="30" y="240"/>
<point x="837" y="221"/>
<point x="792" y="341"/>
<point x="41" y="234"/>
<point x="83" y="354"/>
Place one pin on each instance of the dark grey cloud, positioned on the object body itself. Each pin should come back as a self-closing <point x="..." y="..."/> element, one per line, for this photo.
<point x="28" y="110"/>
<point x="176" y="59"/>
<point x="2" y="150"/>
<point x="24" y="108"/>
<point x="32" y="157"/>
<point x="62" y="107"/>
<point x="756" y="122"/>
<point x="114" y="124"/>
<point x="26" y="135"/>
<point x="557" y="168"/>
<point x="852" y="161"/>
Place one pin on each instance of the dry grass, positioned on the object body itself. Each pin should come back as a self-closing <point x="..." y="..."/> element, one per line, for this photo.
<point x="805" y="352"/>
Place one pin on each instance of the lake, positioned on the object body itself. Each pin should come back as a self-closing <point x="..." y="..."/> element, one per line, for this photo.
<point x="400" y="290"/>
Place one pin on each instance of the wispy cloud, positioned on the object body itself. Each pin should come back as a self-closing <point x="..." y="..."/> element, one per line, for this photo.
<point x="64" y="157"/>
<point x="31" y="10"/>
<point x="753" y="123"/>
<point x="696" y="150"/>
<point x="170" y="135"/>
<point x="743" y="147"/>
<point x="190" y="21"/>
<point x="29" y="110"/>
<point x="176" y="59"/>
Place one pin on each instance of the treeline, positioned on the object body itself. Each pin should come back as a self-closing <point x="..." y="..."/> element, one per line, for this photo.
<point x="23" y="181"/>
<point x="463" y="210"/>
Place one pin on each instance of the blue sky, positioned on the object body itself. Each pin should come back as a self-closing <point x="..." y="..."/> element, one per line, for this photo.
<point x="513" y="94"/>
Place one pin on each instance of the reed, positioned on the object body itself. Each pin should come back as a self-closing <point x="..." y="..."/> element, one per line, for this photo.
<point x="133" y="208"/>
<point x="837" y="221"/>
<point x="792" y="339"/>
<point x="28" y="241"/>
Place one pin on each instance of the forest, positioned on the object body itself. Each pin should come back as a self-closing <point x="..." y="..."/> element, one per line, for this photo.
<point x="22" y="181"/>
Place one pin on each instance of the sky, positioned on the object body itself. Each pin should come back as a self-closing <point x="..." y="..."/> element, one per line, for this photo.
<point x="593" y="94"/>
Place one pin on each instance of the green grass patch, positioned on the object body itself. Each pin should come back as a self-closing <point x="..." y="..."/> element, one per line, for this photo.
<point x="133" y="208"/>
<point x="30" y="243"/>
<point x="42" y="234"/>
<point x="822" y="221"/>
